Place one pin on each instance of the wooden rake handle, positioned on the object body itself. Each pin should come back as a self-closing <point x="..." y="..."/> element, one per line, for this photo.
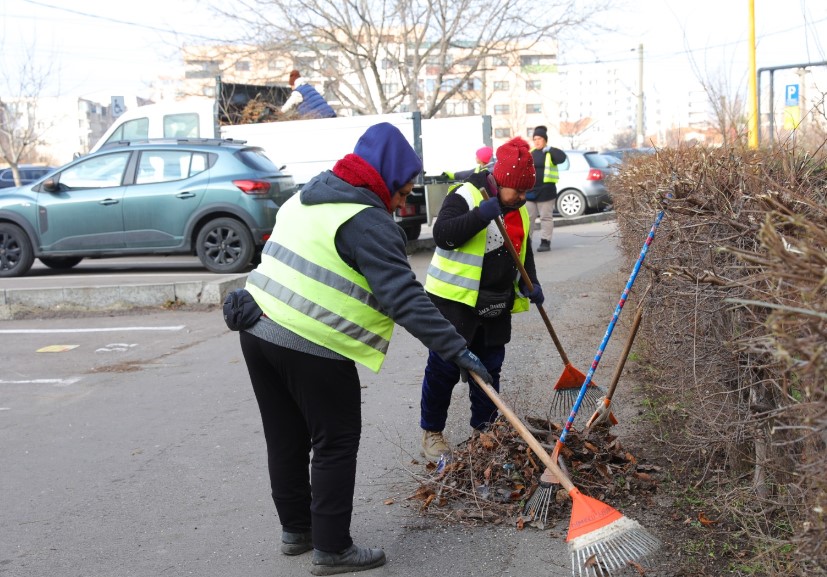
<point x="527" y="281"/>
<point x="603" y="411"/>
<point x="523" y="431"/>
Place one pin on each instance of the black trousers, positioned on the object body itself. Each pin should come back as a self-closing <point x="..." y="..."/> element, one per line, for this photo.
<point x="308" y="402"/>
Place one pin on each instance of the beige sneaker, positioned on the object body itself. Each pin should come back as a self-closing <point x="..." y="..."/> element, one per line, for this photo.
<point x="434" y="445"/>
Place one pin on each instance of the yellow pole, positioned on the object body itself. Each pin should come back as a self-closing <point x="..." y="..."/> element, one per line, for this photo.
<point x="753" y="88"/>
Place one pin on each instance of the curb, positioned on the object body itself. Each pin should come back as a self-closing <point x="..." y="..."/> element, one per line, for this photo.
<point x="17" y="302"/>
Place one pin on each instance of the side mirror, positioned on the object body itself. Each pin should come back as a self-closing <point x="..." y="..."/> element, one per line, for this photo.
<point x="50" y="185"/>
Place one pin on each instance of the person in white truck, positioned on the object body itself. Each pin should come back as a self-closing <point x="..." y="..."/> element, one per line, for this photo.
<point x="306" y="99"/>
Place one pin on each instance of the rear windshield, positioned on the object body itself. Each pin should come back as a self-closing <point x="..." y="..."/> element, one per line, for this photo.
<point x="596" y="160"/>
<point x="254" y="158"/>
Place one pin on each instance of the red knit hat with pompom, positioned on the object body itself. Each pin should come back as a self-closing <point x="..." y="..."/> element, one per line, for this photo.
<point x="515" y="167"/>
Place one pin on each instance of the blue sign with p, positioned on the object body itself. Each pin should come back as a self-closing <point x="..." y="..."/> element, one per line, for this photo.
<point x="791" y="95"/>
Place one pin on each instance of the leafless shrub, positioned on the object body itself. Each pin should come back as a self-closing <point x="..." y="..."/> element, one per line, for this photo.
<point x="736" y="333"/>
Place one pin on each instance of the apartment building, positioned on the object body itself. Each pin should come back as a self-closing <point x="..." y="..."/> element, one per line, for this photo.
<point x="519" y="91"/>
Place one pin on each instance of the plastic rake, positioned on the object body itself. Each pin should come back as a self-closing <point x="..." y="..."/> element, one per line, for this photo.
<point x="599" y="535"/>
<point x="537" y="505"/>
<point x="561" y="441"/>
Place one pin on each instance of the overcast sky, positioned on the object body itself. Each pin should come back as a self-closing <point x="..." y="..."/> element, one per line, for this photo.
<point x="100" y="48"/>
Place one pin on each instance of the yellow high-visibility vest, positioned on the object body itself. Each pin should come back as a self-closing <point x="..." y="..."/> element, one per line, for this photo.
<point x="455" y="274"/>
<point x="550" y="172"/>
<point x="304" y="285"/>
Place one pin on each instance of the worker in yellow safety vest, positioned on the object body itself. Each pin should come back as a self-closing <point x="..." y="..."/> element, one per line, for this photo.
<point x="334" y="278"/>
<point x="543" y="195"/>
<point x="474" y="282"/>
<point x="484" y="157"/>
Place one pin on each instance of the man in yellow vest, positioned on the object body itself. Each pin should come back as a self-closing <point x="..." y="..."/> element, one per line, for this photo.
<point x="474" y="282"/>
<point x="333" y="279"/>
<point x="543" y="195"/>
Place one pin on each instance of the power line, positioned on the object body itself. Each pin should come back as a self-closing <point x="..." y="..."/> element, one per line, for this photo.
<point x="687" y="52"/>
<point x="125" y="22"/>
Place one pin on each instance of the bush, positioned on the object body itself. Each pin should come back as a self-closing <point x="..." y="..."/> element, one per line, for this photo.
<point x="735" y="333"/>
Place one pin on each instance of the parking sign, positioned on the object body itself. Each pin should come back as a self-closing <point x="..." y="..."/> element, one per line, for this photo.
<point x="791" y="95"/>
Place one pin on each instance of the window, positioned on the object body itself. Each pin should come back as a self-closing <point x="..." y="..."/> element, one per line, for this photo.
<point x="167" y="165"/>
<point x="534" y="108"/>
<point x="501" y="85"/>
<point x="98" y="172"/>
<point x="533" y="84"/>
<point x="242" y="65"/>
<point x="502" y="133"/>
<point x="181" y="125"/>
<point x="500" y="109"/>
<point x="390" y="88"/>
<point x="137" y="129"/>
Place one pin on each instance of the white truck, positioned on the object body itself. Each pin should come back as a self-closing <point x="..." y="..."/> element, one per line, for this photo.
<point x="304" y="148"/>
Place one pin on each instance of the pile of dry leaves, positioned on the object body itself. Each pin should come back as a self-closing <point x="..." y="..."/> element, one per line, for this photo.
<point x="491" y="477"/>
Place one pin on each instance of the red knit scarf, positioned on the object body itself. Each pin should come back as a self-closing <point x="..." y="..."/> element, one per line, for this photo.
<point x="355" y="171"/>
<point x="514" y="229"/>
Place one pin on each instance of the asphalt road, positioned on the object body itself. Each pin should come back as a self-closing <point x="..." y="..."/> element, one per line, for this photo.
<point x="132" y="446"/>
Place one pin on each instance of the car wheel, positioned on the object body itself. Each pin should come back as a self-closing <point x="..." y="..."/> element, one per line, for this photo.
<point x="16" y="254"/>
<point x="224" y="245"/>
<point x="571" y="203"/>
<point x="60" y="262"/>
<point x="412" y="231"/>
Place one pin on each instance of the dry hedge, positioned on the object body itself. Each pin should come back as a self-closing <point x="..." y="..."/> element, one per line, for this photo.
<point x="734" y="333"/>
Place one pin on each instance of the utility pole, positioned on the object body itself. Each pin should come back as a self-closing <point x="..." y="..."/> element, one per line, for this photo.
<point x="640" y="97"/>
<point x="753" y="81"/>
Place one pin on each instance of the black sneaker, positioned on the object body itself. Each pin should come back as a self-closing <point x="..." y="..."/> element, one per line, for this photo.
<point x="296" y="543"/>
<point x="350" y="560"/>
<point x="545" y="245"/>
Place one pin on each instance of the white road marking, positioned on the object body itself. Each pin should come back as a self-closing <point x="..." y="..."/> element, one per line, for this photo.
<point x="97" y="330"/>
<point x="116" y="347"/>
<point x="55" y="382"/>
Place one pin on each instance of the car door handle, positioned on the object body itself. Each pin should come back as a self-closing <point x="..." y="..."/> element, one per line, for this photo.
<point x="186" y="194"/>
<point x="107" y="201"/>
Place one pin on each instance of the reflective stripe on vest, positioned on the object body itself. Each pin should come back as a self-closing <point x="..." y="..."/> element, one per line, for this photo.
<point x="303" y="285"/>
<point x="550" y="173"/>
<point x="455" y="274"/>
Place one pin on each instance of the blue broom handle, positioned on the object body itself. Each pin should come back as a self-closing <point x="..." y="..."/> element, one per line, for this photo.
<point x="610" y="328"/>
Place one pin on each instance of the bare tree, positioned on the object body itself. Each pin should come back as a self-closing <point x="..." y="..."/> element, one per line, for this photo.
<point x="377" y="53"/>
<point x="20" y="129"/>
<point x="625" y="139"/>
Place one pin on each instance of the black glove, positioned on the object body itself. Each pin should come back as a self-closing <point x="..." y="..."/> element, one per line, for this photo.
<point x="468" y="361"/>
<point x="490" y="209"/>
<point x="240" y="310"/>
<point x="536" y="295"/>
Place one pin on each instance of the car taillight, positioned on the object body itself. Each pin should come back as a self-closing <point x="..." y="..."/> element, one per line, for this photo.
<point x="253" y="186"/>
<point x="407" y="210"/>
<point x="595" y="174"/>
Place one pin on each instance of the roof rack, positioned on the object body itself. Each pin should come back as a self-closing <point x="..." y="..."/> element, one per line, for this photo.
<point x="207" y="141"/>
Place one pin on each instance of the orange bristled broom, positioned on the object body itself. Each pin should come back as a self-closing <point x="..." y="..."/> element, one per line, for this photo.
<point x="568" y="385"/>
<point x="600" y="538"/>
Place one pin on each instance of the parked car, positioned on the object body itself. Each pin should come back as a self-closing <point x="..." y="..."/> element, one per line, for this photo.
<point x="216" y="199"/>
<point x="624" y="153"/>
<point x="28" y="173"/>
<point x="581" y="187"/>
